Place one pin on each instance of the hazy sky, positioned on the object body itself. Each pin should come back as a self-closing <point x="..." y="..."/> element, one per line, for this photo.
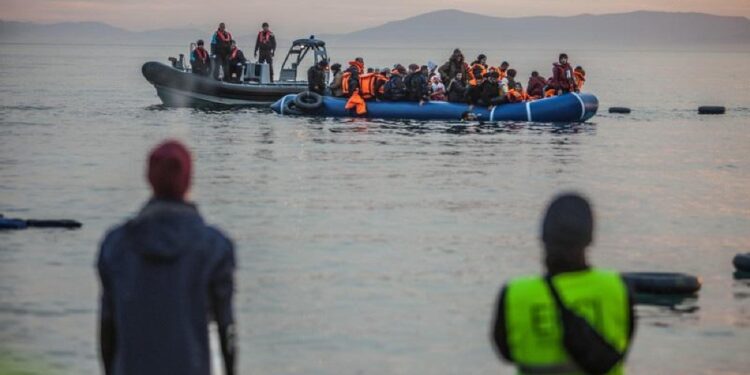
<point x="321" y="16"/>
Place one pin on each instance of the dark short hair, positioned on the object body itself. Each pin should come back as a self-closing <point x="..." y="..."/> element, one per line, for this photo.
<point x="481" y="56"/>
<point x="493" y="74"/>
<point x="360" y="59"/>
<point x="504" y="63"/>
<point x="336" y="66"/>
<point x="413" y="66"/>
<point x="565" y="55"/>
<point x="535" y="74"/>
<point x="511" y="72"/>
<point x="200" y="42"/>
<point x="323" y="62"/>
<point x="569" y="221"/>
<point x="265" y="24"/>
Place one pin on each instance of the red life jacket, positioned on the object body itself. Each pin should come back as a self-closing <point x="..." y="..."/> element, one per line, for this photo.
<point x="233" y="55"/>
<point x="224" y="36"/>
<point x="264" y="36"/>
<point x="202" y="53"/>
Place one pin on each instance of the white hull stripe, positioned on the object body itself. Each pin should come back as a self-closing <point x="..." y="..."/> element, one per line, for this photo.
<point x="528" y="111"/>
<point x="283" y="101"/>
<point x="492" y="114"/>
<point x="583" y="105"/>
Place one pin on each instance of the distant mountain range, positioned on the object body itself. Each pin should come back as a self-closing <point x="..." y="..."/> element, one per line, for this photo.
<point x="630" y="29"/>
<point x="446" y="26"/>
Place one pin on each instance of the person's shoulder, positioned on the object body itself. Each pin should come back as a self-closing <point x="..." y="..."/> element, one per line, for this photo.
<point x="111" y="243"/>
<point x="219" y="239"/>
<point x="523" y="280"/>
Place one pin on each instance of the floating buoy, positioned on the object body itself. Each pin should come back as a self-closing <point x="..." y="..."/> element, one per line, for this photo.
<point x="742" y="262"/>
<point x="308" y="101"/>
<point x="7" y="223"/>
<point x="619" y="110"/>
<point x="711" y="110"/>
<point x="662" y="282"/>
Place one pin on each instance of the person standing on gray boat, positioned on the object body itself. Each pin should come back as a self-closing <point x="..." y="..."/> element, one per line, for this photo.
<point x="532" y="327"/>
<point x="164" y="275"/>
<point x="221" y="44"/>
<point x="265" y="44"/>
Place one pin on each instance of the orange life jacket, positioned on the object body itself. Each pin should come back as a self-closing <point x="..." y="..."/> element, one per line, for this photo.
<point x="473" y="80"/>
<point x="514" y="96"/>
<point x="367" y="85"/>
<point x="580" y="79"/>
<point x="347" y="74"/>
<point x="233" y="55"/>
<point x="224" y="36"/>
<point x="356" y="101"/>
<point x="550" y="93"/>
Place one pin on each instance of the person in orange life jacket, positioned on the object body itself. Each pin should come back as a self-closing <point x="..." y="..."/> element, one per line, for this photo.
<point x="535" y="87"/>
<point x="221" y="43"/>
<point x="475" y="74"/>
<point x="265" y="44"/>
<point x="474" y="89"/>
<point x="456" y="64"/>
<point x="395" y="89"/>
<point x="562" y="75"/>
<point x="316" y="77"/>
<point x="580" y="77"/>
<point x="236" y="61"/>
<point x="199" y="60"/>
<point x="350" y="79"/>
<point x="481" y="60"/>
<point x="516" y="94"/>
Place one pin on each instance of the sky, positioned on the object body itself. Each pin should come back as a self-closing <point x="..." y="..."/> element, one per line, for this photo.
<point x="321" y="16"/>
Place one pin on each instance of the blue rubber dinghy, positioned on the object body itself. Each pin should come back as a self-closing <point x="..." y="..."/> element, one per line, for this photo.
<point x="570" y="107"/>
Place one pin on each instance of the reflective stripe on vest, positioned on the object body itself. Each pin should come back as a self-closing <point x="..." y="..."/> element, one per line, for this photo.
<point x="534" y="330"/>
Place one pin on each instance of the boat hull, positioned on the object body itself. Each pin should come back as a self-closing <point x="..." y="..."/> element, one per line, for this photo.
<point x="178" y="88"/>
<point x="571" y="107"/>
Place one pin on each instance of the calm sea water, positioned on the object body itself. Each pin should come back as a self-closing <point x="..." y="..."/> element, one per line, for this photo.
<point x="379" y="247"/>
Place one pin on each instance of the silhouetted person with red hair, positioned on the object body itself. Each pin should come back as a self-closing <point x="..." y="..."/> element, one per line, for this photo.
<point x="164" y="274"/>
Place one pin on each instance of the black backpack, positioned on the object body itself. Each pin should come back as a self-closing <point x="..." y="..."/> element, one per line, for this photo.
<point x="588" y="349"/>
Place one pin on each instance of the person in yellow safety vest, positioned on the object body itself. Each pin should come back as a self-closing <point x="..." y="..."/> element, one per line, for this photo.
<point x="528" y="329"/>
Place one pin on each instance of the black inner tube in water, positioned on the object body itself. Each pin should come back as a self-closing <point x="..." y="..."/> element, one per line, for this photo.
<point x="742" y="262"/>
<point x="662" y="282"/>
<point x="308" y="101"/>
<point x="619" y="110"/>
<point x="711" y="110"/>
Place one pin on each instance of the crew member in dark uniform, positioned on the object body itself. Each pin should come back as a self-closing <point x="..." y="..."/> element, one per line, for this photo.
<point x="221" y="44"/>
<point x="316" y="77"/>
<point x="266" y="45"/>
<point x="199" y="60"/>
<point x="236" y="63"/>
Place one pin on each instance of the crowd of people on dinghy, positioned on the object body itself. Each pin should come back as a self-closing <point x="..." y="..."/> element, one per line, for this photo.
<point x="455" y="81"/>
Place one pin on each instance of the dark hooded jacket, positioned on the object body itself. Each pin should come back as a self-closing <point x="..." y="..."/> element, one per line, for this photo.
<point x="453" y="66"/>
<point x="164" y="274"/>
<point x="562" y="77"/>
